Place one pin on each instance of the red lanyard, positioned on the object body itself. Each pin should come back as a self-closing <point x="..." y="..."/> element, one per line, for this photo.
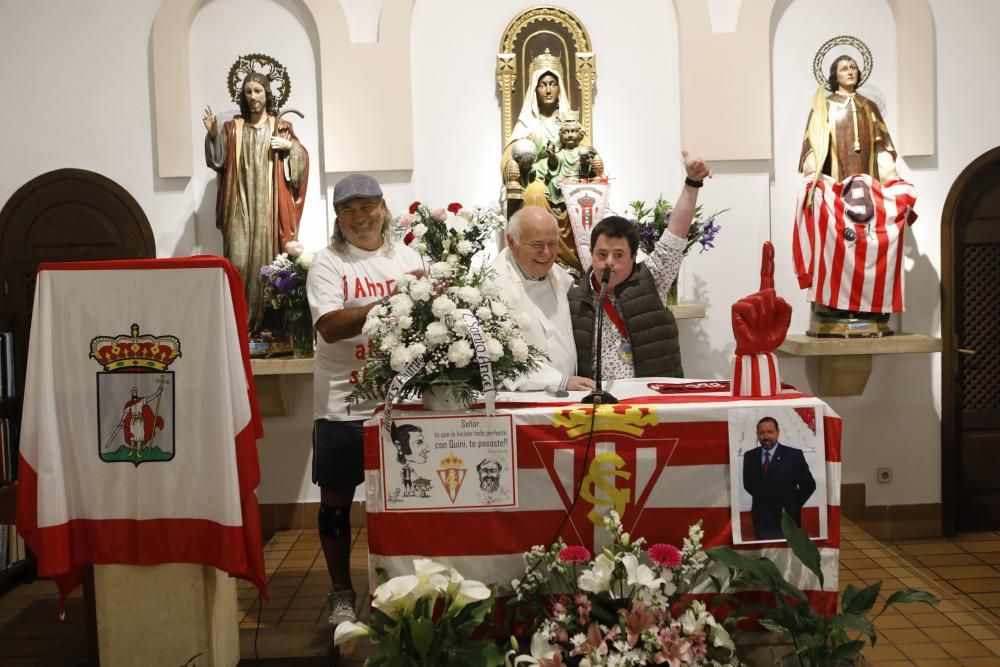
<point x="609" y="310"/>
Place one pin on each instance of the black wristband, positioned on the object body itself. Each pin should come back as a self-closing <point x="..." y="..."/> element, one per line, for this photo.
<point x="693" y="183"/>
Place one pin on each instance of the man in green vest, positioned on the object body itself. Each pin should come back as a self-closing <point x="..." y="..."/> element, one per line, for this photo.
<point x="639" y="333"/>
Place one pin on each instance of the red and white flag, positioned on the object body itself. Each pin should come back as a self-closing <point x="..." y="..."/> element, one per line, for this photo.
<point x="140" y="420"/>
<point x="847" y="242"/>
<point x="662" y="461"/>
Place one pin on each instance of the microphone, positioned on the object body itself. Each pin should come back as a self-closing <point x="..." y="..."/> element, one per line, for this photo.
<point x="598" y="395"/>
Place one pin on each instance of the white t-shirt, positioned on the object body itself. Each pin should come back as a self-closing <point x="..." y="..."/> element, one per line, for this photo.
<point x="337" y="281"/>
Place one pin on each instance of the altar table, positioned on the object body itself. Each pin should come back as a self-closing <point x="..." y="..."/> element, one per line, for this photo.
<point x="666" y="465"/>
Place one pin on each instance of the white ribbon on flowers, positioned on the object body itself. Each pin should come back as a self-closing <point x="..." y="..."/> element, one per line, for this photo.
<point x="483" y="359"/>
<point x="395" y="387"/>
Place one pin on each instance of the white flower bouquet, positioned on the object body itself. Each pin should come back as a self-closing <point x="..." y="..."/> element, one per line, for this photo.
<point x="430" y="617"/>
<point x="427" y="319"/>
<point x="623" y="607"/>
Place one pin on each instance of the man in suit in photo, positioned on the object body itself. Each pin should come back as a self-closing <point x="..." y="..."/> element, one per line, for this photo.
<point x="777" y="477"/>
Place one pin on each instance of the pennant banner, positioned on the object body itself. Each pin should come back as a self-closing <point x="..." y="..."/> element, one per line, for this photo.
<point x="586" y="205"/>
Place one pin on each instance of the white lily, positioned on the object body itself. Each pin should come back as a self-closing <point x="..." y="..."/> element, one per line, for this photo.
<point x="638" y="574"/>
<point x="598" y="578"/>
<point x="347" y="631"/>
<point x="540" y="649"/>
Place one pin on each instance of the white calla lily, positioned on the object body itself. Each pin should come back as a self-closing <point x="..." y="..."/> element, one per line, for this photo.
<point x="396" y="595"/>
<point x="431" y="578"/>
<point x="469" y="591"/>
<point x="347" y="631"/>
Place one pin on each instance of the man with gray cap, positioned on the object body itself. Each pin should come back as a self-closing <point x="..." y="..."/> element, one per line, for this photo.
<point x="357" y="272"/>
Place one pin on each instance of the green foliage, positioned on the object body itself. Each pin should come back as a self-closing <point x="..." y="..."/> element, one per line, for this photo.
<point x="819" y="641"/>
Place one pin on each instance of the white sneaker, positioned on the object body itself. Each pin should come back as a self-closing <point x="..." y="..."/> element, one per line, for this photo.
<point x="341" y="607"/>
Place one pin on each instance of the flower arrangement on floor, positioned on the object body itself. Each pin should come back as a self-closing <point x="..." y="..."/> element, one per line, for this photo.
<point x="623" y="607"/>
<point x="427" y="319"/>
<point x="652" y="221"/>
<point x="284" y="288"/>
<point x="427" y="618"/>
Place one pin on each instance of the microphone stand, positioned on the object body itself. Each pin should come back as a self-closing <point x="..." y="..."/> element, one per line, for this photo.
<point x="598" y="396"/>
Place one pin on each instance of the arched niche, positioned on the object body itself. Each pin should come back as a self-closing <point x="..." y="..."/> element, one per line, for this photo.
<point x="374" y="71"/>
<point x="708" y="60"/>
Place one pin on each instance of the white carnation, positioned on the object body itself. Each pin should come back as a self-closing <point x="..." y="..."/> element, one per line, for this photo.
<point x="460" y="353"/>
<point x="371" y="325"/>
<point x="483" y="313"/>
<point x="452" y="259"/>
<point x="405" y="322"/>
<point x="519" y="349"/>
<point x="441" y="270"/>
<point x="442" y="306"/>
<point x="470" y="295"/>
<point x="399" y="358"/>
<point x="465" y="247"/>
<point x="491" y="290"/>
<point x="420" y="247"/>
<point x="420" y="290"/>
<point x="389" y="342"/>
<point x="494" y="348"/>
<point x="437" y="333"/>
<point x="405" y="280"/>
<point x="401" y="304"/>
<point x="417" y="350"/>
<point x="499" y="308"/>
<point x="459" y="224"/>
<point x="419" y="230"/>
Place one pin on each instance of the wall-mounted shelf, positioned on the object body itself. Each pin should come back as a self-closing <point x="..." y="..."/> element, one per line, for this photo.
<point x="841" y="366"/>
<point x="270" y="377"/>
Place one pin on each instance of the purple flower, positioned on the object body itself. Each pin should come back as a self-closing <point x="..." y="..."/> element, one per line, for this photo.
<point x="266" y="271"/>
<point x="708" y="234"/>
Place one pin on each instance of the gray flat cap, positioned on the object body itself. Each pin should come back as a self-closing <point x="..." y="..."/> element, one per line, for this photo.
<point x="355" y="185"/>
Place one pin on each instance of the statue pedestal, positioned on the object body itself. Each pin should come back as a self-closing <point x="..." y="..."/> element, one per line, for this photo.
<point x="154" y="615"/>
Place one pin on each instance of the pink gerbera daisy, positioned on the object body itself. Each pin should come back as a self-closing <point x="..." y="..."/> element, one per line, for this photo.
<point x="574" y="554"/>
<point x="665" y="555"/>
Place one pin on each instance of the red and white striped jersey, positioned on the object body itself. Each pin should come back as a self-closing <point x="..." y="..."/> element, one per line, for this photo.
<point x="848" y="242"/>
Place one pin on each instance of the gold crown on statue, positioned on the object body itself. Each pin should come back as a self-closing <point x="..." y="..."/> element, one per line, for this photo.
<point x="134" y="352"/>
<point x="451" y="461"/>
<point x="569" y="116"/>
<point x="544" y="62"/>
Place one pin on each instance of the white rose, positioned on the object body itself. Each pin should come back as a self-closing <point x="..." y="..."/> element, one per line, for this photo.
<point x="419" y="230"/>
<point x="442" y="306"/>
<point x="460" y="353"/>
<point x="420" y="290"/>
<point x="465" y="247"/>
<point x="437" y="333"/>
<point x="470" y="295"/>
<point x="306" y="259"/>
<point x="483" y="313"/>
<point x="494" y="348"/>
<point x="441" y="270"/>
<point x="499" y="308"/>
<point x="518" y="349"/>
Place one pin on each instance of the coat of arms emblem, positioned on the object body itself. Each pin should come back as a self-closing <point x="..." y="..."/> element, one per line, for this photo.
<point x="135" y="396"/>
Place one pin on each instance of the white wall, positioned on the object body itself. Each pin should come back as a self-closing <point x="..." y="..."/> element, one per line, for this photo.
<point x="74" y="99"/>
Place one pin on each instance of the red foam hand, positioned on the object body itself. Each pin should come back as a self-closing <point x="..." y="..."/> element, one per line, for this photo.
<point x="760" y="320"/>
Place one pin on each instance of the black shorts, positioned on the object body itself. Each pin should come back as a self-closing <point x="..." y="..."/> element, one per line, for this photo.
<point x="338" y="454"/>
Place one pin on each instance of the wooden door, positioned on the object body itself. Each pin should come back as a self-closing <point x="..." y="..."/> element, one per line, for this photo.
<point x="971" y="358"/>
<point x="66" y="215"/>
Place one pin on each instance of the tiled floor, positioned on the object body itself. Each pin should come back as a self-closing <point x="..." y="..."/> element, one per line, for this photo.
<point x="963" y="571"/>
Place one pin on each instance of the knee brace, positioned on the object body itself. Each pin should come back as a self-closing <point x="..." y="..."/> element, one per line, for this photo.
<point x="334" y="521"/>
